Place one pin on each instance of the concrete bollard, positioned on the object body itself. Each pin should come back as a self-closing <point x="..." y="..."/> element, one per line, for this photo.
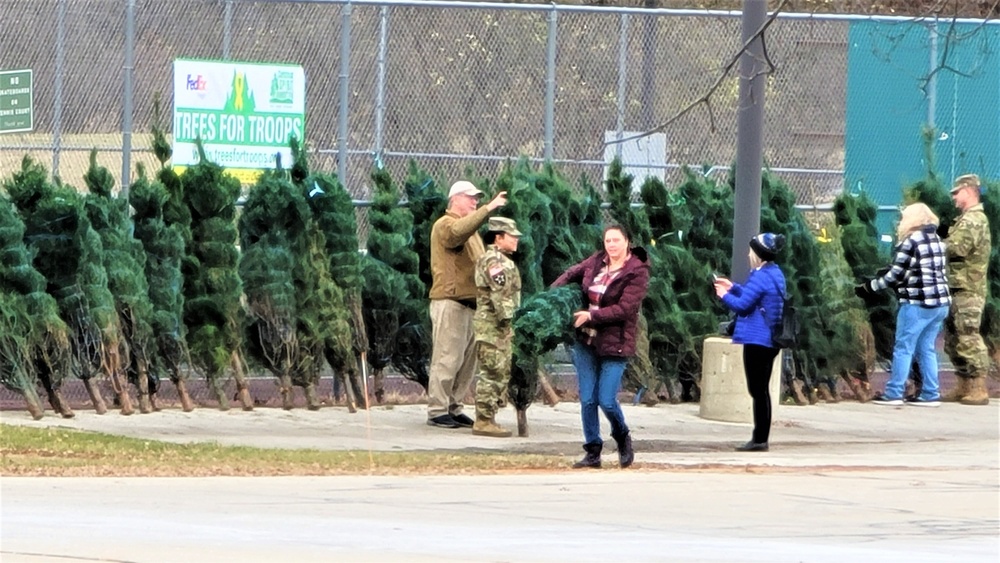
<point x="724" y="394"/>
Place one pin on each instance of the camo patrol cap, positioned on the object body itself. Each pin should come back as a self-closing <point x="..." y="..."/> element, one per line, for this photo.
<point x="503" y="225"/>
<point x="966" y="181"/>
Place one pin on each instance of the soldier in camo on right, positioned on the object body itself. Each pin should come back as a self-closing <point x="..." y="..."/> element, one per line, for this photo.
<point x="968" y="248"/>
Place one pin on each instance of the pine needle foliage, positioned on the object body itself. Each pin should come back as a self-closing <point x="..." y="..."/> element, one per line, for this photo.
<point x="334" y="224"/>
<point x="212" y="287"/>
<point x="394" y="296"/>
<point x="70" y="256"/>
<point x="426" y="203"/>
<point x="541" y="323"/>
<point x="34" y="340"/>
<point x="164" y="248"/>
<point x="990" y="328"/>
<point x="125" y="264"/>
<point x="690" y="233"/>
<point x="855" y="215"/>
<point x="531" y="207"/>
<point x="273" y="214"/>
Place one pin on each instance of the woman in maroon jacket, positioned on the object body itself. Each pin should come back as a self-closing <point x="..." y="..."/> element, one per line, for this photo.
<point x="614" y="283"/>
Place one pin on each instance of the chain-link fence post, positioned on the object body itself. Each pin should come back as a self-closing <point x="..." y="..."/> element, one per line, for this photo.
<point x="128" y="102"/>
<point x="383" y="40"/>
<point x="57" y="104"/>
<point x="345" y="71"/>
<point x="550" y="82"/>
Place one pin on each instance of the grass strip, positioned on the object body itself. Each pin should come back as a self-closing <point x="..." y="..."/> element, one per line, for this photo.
<point x="60" y="452"/>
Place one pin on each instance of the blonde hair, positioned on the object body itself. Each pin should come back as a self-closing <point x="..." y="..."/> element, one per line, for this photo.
<point x="915" y="216"/>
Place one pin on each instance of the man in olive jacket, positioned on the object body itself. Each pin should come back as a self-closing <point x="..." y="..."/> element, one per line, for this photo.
<point x="455" y="248"/>
<point x="968" y="247"/>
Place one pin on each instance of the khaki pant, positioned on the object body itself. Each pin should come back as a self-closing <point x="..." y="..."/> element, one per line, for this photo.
<point x="453" y="357"/>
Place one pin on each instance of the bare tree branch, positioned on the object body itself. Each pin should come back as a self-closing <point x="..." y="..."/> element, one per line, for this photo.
<point x="706" y="98"/>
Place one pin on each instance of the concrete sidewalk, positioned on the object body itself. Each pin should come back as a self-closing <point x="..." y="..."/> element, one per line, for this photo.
<point x="843" y="482"/>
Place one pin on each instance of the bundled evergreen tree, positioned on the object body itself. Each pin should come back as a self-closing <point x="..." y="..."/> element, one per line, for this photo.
<point x="212" y="287"/>
<point x="164" y="248"/>
<point x="847" y="347"/>
<point x="273" y="214"/>
<point x="69" y="254"/>
<point x="692" y="231"/>
<point x="530" y="206"/>
<point x="334" y="217"/>
<point x="855" y="216"/>
<point x="393" y="296"/>
<point x="532" y="210"/>
<point x="542" y="323"/>
<point x="125" y="264"/>
<point x="34" y="340"/>
<point x="426" y="204"/>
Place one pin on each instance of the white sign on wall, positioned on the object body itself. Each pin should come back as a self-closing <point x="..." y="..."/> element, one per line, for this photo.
<point x="244" y="113"/>
<point x="646" y="156"/>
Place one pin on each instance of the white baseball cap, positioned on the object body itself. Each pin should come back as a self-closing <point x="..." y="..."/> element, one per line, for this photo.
<point x="463" y="187"/>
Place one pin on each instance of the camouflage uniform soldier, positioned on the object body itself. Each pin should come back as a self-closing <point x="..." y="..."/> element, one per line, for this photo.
<point x="498" y="286"/>
<point x="968" y="256"/>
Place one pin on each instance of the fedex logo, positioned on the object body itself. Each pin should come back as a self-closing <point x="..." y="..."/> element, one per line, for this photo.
<point x="196" y="82"/>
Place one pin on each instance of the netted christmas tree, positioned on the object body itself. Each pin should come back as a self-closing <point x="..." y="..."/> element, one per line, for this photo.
<point x="273" y="214"/>
<point x="69" y="254"/>
<point x="822" y="345"/>
<point x="125" y="264"/>
<point x="531" y="209"/>
<point x="34" y="340"/>
<point x="691" y="234"/>
<point x="394" y="298"/>
<point x="847" y="347"/>
<point x="543" y="322"/>
<point x="855" y="215"/>
<point x="164" y="246"/>
<point x="334" y="217"/>
<point x="212" y="288"/>
<point x="426" y="204"/>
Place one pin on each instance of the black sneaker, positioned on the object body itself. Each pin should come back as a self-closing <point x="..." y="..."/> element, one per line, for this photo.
<point x="443" y="421"/>
<point x="918" y="402"/>
<point x="462" y="420"/>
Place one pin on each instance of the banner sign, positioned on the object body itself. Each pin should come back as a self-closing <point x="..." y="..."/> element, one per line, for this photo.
<point x="244" y="113"/>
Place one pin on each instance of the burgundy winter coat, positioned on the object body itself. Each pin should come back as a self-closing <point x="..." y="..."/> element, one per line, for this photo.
<point x="616" y="319"/>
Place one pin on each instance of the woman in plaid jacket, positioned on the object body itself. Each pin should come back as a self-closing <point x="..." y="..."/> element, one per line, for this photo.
<point x="918" y="275"/>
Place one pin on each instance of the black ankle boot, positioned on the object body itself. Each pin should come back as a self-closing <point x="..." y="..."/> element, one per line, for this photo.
<point x="625" y="454"/>
<point x="593" y="457"/>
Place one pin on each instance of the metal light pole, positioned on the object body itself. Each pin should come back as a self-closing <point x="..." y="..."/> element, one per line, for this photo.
<point x="749" y="138"/>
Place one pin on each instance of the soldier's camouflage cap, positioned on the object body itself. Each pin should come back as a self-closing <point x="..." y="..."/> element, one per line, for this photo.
<point x="966" y="181"/>
<point x="503" y="225"/>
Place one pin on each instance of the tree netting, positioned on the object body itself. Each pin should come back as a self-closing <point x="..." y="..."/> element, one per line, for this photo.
<point x="34" y="340"/>
<point x="212" y="287"/>
<point x="69" y="254"/>
<point x="125" y="264"/>
<point x="335" y="221"/>
<point x="686" y="229"/>
<point x="163" y="245"/>
<point x="394" y="297"/>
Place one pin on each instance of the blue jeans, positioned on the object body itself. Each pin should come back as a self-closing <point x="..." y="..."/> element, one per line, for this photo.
<point x="599" y="378"/>
<point x="916" y="330"/>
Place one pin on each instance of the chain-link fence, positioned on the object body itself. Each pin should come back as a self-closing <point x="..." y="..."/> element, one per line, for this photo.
<point x="452" y="85"/>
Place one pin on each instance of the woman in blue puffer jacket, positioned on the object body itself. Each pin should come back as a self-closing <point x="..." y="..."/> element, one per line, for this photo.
<point x="758" y="306"/>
